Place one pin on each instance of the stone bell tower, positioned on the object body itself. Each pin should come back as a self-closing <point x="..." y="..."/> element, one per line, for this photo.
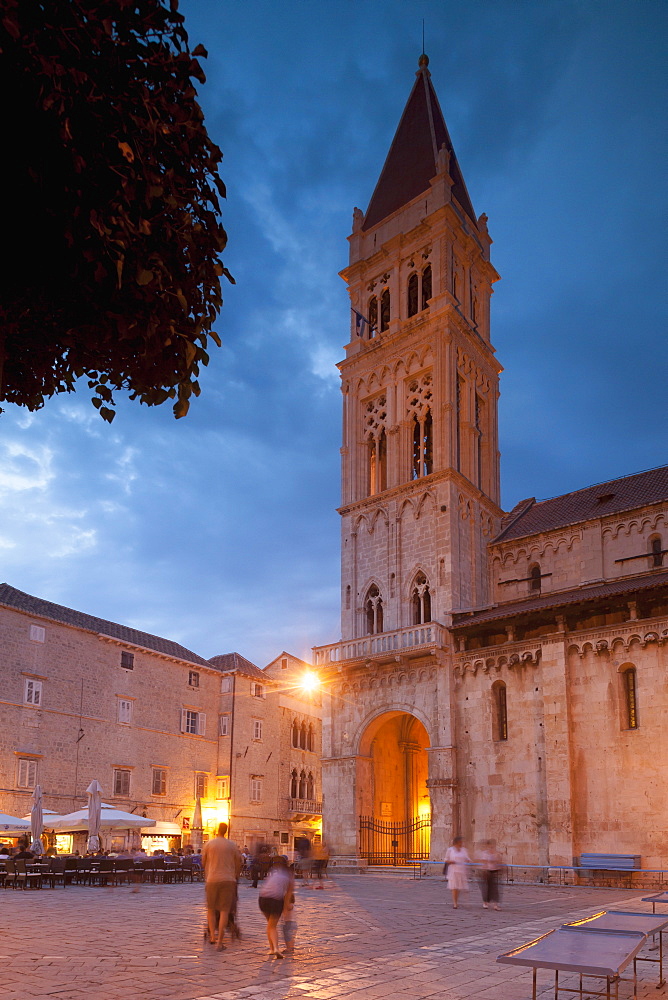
<point x="420" y="477"/>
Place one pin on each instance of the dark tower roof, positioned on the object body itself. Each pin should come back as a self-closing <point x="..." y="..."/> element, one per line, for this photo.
<point x="411" y="161"/>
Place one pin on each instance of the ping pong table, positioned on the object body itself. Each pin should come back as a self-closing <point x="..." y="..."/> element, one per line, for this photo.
<point x="630" y="920"/>
<point x="660" y="897"/>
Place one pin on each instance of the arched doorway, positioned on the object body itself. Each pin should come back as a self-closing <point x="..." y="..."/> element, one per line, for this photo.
<point x="394" y="805"/>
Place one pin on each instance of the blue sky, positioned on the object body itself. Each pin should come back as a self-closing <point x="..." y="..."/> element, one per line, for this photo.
<point x="220" y="530"/>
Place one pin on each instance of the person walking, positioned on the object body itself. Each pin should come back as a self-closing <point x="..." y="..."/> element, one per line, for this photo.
<point x="222" y="864"/>
<point x="276" y="891"/>
<point x="456" y="860"/>
<point x="490" y="863"/>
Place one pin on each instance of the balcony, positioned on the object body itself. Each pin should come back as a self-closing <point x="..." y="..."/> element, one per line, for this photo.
<point x="299" y="809"/>
<point x="386" y="646"/>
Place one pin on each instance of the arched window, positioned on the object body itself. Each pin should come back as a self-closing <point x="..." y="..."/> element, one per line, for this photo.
<point x="377" y="447"/>
<point x="302" y="736"/>
<point x="656" y="551"/>
<point x="348" y="597"/>
<point x="455" y="285"/>
<point x="310" y="787"/>
<point x="422" y="446"/>
<point x="479" y="420"/>
<point x="310" y="742"/>
<point x="385" y="310"/>
<point x="631" y="697"/>
<point x="534" y="579"/>
<point x="421" y="600"/>
<point x="426" y="286"/>
<point x="373" y="316"/>
<point x="295" y="733"/>
<point x="499" y="712"/>
<point x="294" y="786"/>
<point x="373" y="607"/>
<point x="412" y="294"/>
<point x="302" y="785"/>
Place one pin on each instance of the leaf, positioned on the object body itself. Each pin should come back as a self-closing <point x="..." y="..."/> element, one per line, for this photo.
<point x="107" y="414"/>
<point x="181" y="408"/>
<point x="127" y="151"/>
<point x="191" y="353"/>
<point x="144" y="277"/>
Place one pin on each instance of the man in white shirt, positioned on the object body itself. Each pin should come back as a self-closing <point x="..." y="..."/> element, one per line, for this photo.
<point x="222" y="864"/>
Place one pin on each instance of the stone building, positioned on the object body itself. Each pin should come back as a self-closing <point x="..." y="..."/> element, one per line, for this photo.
<point x="157" y="725"/>
<point x="499" y="675"/>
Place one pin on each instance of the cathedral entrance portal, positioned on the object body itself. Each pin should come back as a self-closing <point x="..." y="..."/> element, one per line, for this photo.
<point x="394" y="806"/>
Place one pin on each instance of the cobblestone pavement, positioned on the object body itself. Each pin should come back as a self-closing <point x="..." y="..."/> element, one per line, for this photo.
<point x="369" y="937"/>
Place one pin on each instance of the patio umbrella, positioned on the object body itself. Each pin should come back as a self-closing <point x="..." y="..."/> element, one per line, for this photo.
<point x="12" y="825"/>
<point x="94" y="792"/>
<point x="110" y="819"/>
<point x="197" y="825"/>
<point x="37" y="821"/>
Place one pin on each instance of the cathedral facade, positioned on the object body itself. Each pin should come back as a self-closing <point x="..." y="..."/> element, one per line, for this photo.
<point x="499" y="674"/>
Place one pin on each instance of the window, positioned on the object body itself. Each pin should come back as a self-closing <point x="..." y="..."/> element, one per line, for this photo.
<point x="656" y="551"/>
<point x="284" y="663"/>
<point x="159" y="784"/>
<point x="377" y="448"/>
<point x="479" y="418"/>
<point x="226" y="685"/>
<point x="285" y="838"/>
<point x="124" y="710"/>
<point x="302" y="736"/>
<point x="630" y="697"/>
<point x="295" y="733"/>
<point x="348" y="597"/>
<point x="37" y="633"/>
<point x="310" y="787"/>
<point x="223" y="786"/>
<point x="373" y="607"/>
<point x="26" y="773"/>
<point x="385" y="310"/>
<point x="412" y="294"/>
<point x="201" y="785"/>
<point x="257" y="690"/>
<point x="499" y="712"/>
<point x="426" y="286"/>
<point x="121" y="781"/>
<point x="193" y="722"/>
<point x="255" y="789"/>
<point x="534" y="579"/>
<point x="302" y="785"/>
<point x="422" y="446"/>
<point x="32" y="692"/>
<point x="459" y="397"/>
<point x="127" y="660"/>
<point x="310" y="741"/>
<point x="224" y="725"/>
<point x="421" y="600"/>
<point x="294" y="784"/>
<point x="257" y="729"/>
<point x="373" y="316"/>
<point x="193" y="679"/>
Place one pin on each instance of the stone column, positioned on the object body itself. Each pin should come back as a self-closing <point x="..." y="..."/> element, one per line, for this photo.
<point x="347" y="784"/>
<point x="442" y="785"/>
<point x="556" y="718"/>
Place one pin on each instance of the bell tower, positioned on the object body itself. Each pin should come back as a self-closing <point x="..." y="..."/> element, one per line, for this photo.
<point x="420" y="459"/>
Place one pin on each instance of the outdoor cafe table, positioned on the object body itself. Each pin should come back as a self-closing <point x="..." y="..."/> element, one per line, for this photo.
<point x="629" y="920"/>
<point x="589" y="952"/>
<point x="660" y="897"/>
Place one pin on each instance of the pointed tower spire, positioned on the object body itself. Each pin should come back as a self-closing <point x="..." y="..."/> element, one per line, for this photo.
<point x="413" y="158"/>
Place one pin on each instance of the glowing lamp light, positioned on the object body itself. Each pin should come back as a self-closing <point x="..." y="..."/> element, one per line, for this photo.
<point x="309" y="681"/>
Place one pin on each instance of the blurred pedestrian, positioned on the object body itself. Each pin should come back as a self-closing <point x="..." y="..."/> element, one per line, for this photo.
<point x="222" y="863"/>
<point x="456" y="860"/>
<point x="276" y="891"/>
<point x="490" y="864"/>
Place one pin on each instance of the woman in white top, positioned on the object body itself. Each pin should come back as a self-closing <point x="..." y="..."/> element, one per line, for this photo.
<point x="456" y="859"/>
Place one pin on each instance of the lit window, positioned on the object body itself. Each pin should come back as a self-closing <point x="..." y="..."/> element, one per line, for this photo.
<point x="500" y="712"/>
<point x="32" y="692"/>
<point x="159" y="785"/>
<point x="201" y="785"/>
<point x="256" y="789"/>
<point x="224" y="725"/>
<point x="257" y="690"/>
<point x="37" y="633"/>
<point x="193" y="722"/>
<point x="193" y="679"/>
<point x="127" y="660"/>
<point x="223" y="787"/>
<point x="124" y="710"/>
<point x="257" y="729"/>
<point x="631" y="697"/>
<point x="121" y="782"/>
<point x="26" y="773"/>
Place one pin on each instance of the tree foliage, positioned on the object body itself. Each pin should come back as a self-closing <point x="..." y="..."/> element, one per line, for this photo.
<point x="112" y="214"/>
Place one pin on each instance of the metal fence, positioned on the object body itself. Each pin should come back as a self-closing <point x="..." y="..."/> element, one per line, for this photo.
<point x="385" y="843"/>
<point x="565" y="875"/>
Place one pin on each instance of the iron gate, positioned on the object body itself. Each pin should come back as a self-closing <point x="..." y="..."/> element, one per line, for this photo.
<point x="385" y="843"/>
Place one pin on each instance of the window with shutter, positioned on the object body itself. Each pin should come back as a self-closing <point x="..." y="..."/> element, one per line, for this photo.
<point x="26" y="773"/>
<point x="32" y="694"/>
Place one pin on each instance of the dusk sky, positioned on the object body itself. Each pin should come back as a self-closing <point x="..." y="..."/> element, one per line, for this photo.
<point x="219" y="530"/>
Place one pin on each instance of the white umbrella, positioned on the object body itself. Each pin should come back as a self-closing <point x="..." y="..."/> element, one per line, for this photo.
<point x="94" y="792"/>
<point x="12" y="825"/>
<point x="197" y="825"/>
<point x="110" y="819"/>
<point x="37" y="821"/>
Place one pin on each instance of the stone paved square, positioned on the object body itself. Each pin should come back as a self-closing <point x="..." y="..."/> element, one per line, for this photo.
<point x="368" y="937"/>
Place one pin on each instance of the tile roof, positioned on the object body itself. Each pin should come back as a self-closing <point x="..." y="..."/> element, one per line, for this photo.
<point x="16" y="599"/>
<point x="531" y="517"/>
<point x="580" y="595"/>
<point x="411" y="161"/>
<point x="236" y="663"/>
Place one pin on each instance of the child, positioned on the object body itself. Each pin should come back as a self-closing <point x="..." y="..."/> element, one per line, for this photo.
<point x="289" y="924"/>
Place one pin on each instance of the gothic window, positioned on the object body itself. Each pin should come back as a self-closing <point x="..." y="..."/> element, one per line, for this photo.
<point x="373" y="316"/>
<point x="479" y="416"/>
<point x="630" y="697"/>
<point x="310" y="741"/>
<point x="419" y="407"/>
<point x="413" y="294"/>
<point x="302" y="785"/>
<point x="373" y="607"/>
<point x="348" y="597"/>
<point x="385" y="310"/>
<point x="656" y="551"/>
<point x="426" y="286"/>
<point x="295" y="733"/>
<point x="376" y="444"/>
<point x="499" y="712"/>
<point x="294" y="787"/>
<point x="310" y="787"/>
<point x="534" y="579"/>
<point x="421" y="600"/>
<point x="302" y="736"/>
<point x="458" y="421"/>
<point x="455" y="284"/>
